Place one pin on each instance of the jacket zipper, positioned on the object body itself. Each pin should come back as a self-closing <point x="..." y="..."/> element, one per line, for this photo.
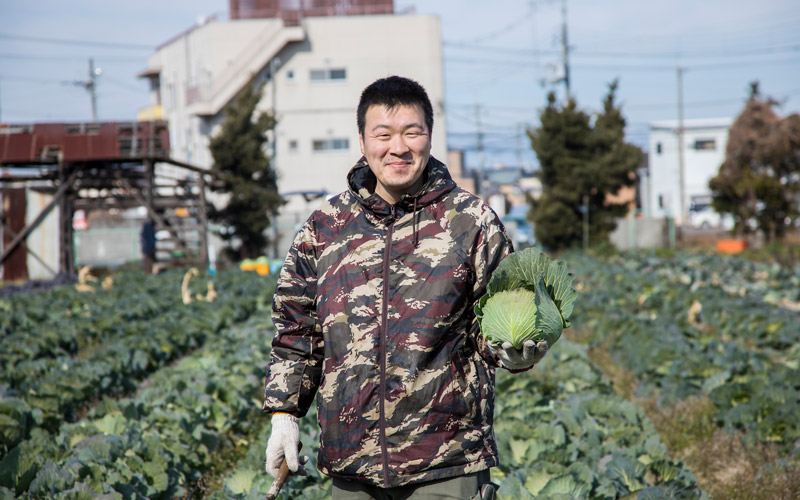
<point x="384" y="340"/>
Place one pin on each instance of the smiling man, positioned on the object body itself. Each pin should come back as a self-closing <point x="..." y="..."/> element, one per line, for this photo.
<point x="374" y="312"/>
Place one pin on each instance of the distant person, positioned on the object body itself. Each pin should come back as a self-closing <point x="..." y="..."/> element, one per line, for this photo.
<point x="147" y="238"/>
<point x="374" y="317"/>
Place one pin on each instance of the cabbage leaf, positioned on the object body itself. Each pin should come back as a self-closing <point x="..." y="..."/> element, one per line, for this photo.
<point x="540" y="306"/>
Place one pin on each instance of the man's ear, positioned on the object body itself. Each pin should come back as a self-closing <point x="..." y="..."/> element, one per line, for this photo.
<point x="361" y="142"/>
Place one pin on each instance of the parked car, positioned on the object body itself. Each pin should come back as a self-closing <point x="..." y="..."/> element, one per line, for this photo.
<point x="518" y="227"/>
<point x="705" y="217"/>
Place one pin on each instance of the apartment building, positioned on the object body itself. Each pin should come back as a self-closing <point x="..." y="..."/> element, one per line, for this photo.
<point x="704" y="143"/>
<point x="314" y="70"/>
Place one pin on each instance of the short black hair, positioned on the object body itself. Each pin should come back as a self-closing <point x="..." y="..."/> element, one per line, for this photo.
<point x="391" y="92"/>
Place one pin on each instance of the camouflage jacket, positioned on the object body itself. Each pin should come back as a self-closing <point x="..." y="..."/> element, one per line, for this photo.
<point x="374" y="313"/>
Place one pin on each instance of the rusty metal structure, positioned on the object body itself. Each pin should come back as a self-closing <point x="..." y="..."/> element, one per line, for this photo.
<point x="99" y="166"/>
<point x="293" y="11"/>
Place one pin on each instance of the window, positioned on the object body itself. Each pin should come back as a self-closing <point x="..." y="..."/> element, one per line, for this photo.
<point x="290" y="75"/>
<point x="658" y="148"/>
<point x="322" y="75"/>
<point x="705" y="144"/>
<point x="321" y="145"/>
<point x="293" y="146"/>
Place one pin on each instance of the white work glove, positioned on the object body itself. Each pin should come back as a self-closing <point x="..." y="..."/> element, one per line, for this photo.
<point x="284" y="442"/>
<point x="516" y="360"/>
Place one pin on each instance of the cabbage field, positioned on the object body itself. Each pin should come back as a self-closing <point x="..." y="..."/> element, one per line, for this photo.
<point x="147" y="389"/>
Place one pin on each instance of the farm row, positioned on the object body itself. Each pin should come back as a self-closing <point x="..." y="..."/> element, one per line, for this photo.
<point x="717" y="331"/>
<point x="43" y="395"/>
<point x="683" y="337"/>
<point x="130" y="393"/>
<point x="561" y="432"/>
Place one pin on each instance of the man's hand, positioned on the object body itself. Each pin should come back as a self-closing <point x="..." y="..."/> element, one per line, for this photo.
<point x="284" y="443"/>
<point x="518" y="360"/>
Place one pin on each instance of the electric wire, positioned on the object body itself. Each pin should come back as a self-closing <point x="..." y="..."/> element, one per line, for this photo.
<point x="69" y="41"/>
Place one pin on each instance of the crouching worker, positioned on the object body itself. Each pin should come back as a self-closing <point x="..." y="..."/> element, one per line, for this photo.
<point x="374" y="316"/>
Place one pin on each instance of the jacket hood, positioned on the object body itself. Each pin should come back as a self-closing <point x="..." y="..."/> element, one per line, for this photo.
<point x="361" y="183"/>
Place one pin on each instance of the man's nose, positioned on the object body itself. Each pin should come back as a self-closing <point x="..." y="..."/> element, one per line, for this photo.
<point x="398" y="144"/>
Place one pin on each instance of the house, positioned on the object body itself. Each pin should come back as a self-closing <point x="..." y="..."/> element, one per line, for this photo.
<point x="704" y="144"/>
<point x="314" y="69"/>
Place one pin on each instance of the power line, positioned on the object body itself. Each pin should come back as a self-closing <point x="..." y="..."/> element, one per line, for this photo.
<point x="725" y="53"/>
<point x="626" y="67"/>
<point x="122" y="84"/>
<point x="56" y="57"/>
<point x="61" y="41"/>
<point x="775" y="49"/>
<point x="15" y="78"/>
<point x="501" y="31"/>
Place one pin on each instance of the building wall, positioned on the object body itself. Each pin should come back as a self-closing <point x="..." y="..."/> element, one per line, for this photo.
<point x="190" y="65"/>
<point x="641" y="232"/>
<point x="315" y="92"/>
<point x="13" y="201"/>
<point x="295" y="10"/>
<point x="44" y="240"/>
<point x="704" y="144"/>
<point x="315" y="110"/>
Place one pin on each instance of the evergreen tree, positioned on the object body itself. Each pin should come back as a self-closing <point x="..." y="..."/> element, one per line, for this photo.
<point x="759" y="182"/>
<point x="248" y="177"/>
<point x="581" y="163"/>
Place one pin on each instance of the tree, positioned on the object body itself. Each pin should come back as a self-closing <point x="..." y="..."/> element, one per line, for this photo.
<point x="248" y="179"/>
<point x="759" y="182"/>
<point x="581" y="164"/>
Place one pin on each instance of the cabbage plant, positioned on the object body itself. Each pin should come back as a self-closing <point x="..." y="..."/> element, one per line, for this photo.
<point x="529" y="296"/>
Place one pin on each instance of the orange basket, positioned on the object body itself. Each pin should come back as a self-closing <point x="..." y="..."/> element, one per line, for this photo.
<point x="731" y="246"/>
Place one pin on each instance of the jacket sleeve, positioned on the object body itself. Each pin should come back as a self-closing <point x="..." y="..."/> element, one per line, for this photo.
<point x="295" y="368"/>
<point x="493" y="246"/>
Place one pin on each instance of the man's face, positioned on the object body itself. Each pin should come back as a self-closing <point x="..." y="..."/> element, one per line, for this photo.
<point x="397" y="145"/>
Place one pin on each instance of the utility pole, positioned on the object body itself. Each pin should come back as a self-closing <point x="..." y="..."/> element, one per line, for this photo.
<point x="273" y="68"/>
<point x="91" y="88"/>
<point x="481" y="165"/>
<point x="585" y="222"/>
<point x="681" y="165"/>
<point x="565" y="46"/>
<point x="90" y="85"/>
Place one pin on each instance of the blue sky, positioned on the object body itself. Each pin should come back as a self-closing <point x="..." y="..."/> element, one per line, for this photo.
<point x="496" y="56"/>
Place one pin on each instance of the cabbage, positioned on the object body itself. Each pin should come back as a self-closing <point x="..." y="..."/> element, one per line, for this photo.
<point x="529" y="297"/>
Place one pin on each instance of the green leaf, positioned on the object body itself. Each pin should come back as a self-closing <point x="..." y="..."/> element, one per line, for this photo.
<point x="565" y="485"/>
<point x="536" y="481"/>
<point x="549" y="322"/>
<point x="112" y="423"/>
<point x="510" y="316"/>
<point x="627" y="471"/>
<point x="518" y="450"/>
<point x="241" y="481"/>
<point x="51" y="479"/>
<point x="526" y="271"/>
<point x="524" y="268"/>
<point x="19" y="467"/>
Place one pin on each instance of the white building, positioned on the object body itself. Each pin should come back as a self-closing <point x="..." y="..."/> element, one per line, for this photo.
<point x="704" y="144"/>
<point x="320" y="68"/>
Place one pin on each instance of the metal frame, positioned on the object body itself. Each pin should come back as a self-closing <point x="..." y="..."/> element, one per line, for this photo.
<point x="119" y="173"/>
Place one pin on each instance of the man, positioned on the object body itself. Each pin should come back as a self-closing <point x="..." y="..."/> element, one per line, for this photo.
<point x="374" y="315"/>
<point x="147" y="238"/>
